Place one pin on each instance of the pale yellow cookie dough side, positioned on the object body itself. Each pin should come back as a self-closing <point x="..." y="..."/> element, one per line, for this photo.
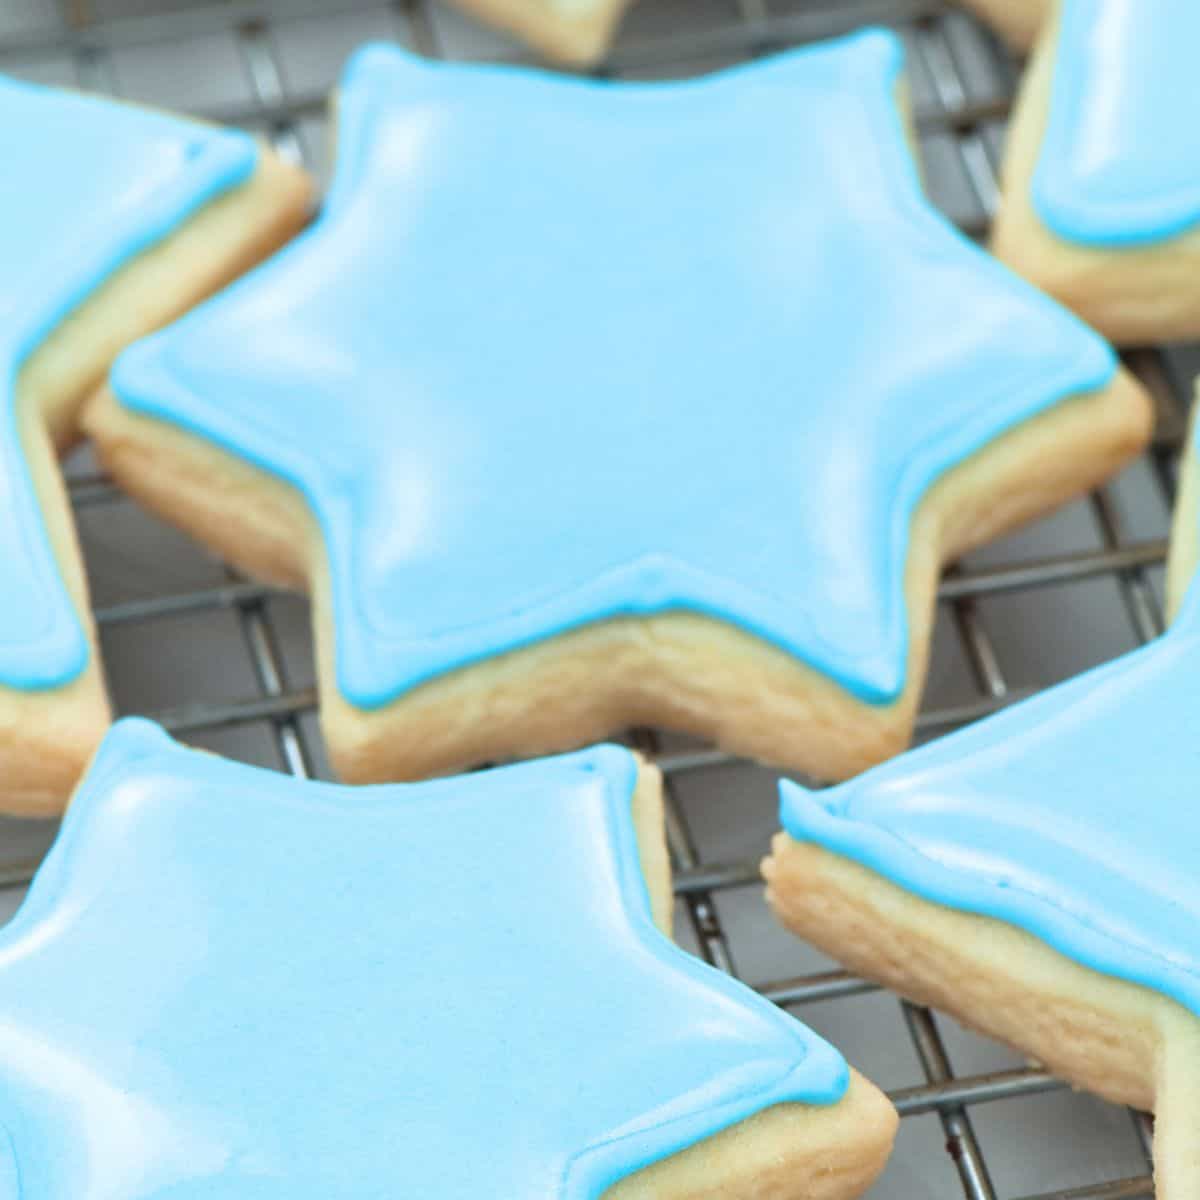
<point x="1119" y="1040"/>
<point x="1185" y="536"/>
<point x="649" y="827"/>
<point x="47" y="736"/>
<point x="676" y="670"/>
<point x="573" y="32"/>
<point x="1016" y="21"/>
<point x="1133" y="295"/>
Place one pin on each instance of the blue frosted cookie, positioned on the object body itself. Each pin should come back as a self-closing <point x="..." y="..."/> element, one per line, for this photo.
<point x="113" y="220"/>
<point x="1101" y="201"/>
<point x="1036" y="875"/>
<point x="666" y="411"/>
<point x="226" y="982"/>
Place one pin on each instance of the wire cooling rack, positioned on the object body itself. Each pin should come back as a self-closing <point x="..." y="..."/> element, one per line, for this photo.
<point x="226" y="663"/>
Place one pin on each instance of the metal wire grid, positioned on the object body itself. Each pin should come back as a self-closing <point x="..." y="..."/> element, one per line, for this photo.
<point x="955" y="114"/>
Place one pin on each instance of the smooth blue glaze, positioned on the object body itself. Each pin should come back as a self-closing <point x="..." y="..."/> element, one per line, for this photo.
<point x="558" y="351"/>
<point x="1120" y="159"/>
<point x="1072" y="815"/>
<point x="88" y="184"/>
<point x="229" y="983"/>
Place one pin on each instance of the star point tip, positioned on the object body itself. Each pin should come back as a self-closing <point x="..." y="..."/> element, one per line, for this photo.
<point x="127" y="741"/>
<point x="57" y="657"/>
<point x="883" y="46"/>
<point x="138" y="734"/>
<point x="800" y="808"/>
<point x="618" y="765"/>
<point x="379" y="60"/>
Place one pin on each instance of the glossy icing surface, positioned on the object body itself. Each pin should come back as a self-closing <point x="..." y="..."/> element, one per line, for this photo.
<point x="645" y="356"/>
<point x="1120" y="160"/>
<point x="88" y="184"/>
<point x="1072" y="816"/>
<point x="226" y="982"/>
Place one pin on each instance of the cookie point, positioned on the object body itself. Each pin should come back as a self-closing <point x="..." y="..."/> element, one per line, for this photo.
<point x="819" y="1075"/>
<point x="880" y="41"/>
<point x="881" y="675"/>
<point x="138" y="733"/>
<point x="51" y="660"/>
<point x="830" y="1063"/>
<point x="234" y="153"/>
<point x="881" y="48"/>
<point x="799" y="805"/>
<point x="617" y="764"/>
<point x="374" y="60"/>
<point x="127" y="741"/>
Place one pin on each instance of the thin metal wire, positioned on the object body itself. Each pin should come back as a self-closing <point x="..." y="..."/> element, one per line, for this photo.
<point x="755" y="27"/>
<point x="954" y="1094"/>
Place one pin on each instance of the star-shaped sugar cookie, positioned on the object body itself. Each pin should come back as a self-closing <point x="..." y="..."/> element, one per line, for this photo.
<point x="113" y="220"/>
<point x="1036" y="875"/>
<point x="665" y="411"/>
<point x="1101" y="199"/>
<point x="568" y="31"/>
<point x="229" y="983"/>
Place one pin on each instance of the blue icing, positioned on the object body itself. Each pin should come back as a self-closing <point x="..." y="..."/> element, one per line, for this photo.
<point x="1120" y="159"/>
<point x="1072" y="816"/>
<point x="298" y="990"/>
<point x="88" y="185"/>
<point x="697" y="345"/>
